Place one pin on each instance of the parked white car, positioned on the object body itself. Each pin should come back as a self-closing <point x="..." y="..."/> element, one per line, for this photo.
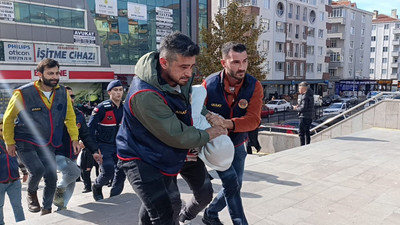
<point x="279" y="105"/>
<point x="335" y="109"/>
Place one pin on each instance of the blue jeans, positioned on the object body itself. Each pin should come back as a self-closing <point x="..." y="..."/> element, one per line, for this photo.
<point x="70" y="172"/>
<point x="13" y="191"/>
<point x="157" y="192"/>
<point x="230" y="192"/>
<point x="40" y="162"/>
<point x="110" y="171"/>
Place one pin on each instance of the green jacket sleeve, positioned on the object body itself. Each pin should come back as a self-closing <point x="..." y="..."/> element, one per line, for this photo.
<point x="158" y="118"/>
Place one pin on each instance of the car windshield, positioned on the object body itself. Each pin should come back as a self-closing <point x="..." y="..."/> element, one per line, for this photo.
<point x="336" y="106"/>
<point x="273" y="102"/>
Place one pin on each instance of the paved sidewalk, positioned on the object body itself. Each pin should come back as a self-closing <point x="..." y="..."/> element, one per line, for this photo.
<point x="353" y="179"/>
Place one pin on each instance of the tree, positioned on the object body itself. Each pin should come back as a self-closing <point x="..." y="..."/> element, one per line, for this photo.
<point x="233" y="25"/>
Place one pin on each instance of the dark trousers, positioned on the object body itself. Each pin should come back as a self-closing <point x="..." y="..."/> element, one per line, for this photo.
<point x="109" y="170"/>
<point x="40" y="162"/>
<point x="157" y="192"/>
<point x="253" y="141"/>
<point x="196" y="176"/>
<point x="304" y="131"/>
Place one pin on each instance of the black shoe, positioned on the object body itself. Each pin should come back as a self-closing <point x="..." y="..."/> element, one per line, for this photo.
<point x="210" y="221"/>
<point x="97" y="193"/>
<point x="87" y="190"/>
<point x="33" y="202"/>
<point x="258" y="149"/>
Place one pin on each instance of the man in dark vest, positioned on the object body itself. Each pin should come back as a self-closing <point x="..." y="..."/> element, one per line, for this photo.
<point x="33" y="128"/>
<point x="305" y="109"/>
<point x="157" y="132"/>
<point x="237" y="97"/>
<point x="103" y="125"/>
<point x="66" y="158"/>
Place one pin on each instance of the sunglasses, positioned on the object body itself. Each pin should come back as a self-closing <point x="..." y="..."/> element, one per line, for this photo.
<point x="72" y="96"/>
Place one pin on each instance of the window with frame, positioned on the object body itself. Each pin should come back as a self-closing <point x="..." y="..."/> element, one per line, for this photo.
<point x="351" y="44"/>
<point x="332" y="43"/>
<point x="265" y="45"/>
<point x="301" y="69"/>
<point x="311" y="32"/>
<point x="321" y="33"/>
<point x="363" y="19"/>
<point x="279" y="9"/>
<point x="384" y="71"/>
<point x="279" y="47"/>
<point x="265" y="22"/>
<point x="279" y="66"/>
<point x="386" y="26"/>
<point x="372" y="60"/>
<point x="352" y="30"/>
<point x="295" y="71"/>
<point x="373" y="38"/>
<point x="373" y="27"/>
<point x="371" y="71"/>
<point x="312" y="16"/>
<point x="321" y="16"/>
<point x="320" y="50"/>
<point x="290" y="13"/>
<point x="319" y="67"/>
<point x="384" y="60"/>
<point x="363" y="32"/>
<point x="267" y="4"/>
<point x="385" y="49"/>
<point x="386" y="37"/>
<point x="280" y="27"/>
<point x="353" y="15"/>
<point x="335" y="57"/>
<point x="51" y="16"/>
<point x="297" y="12"/>
<point x="372" y="49"/>
<point x="310" y="50"/>
<point x="222" y="3"/>
<point x="305" y="14"/>
<point x="310" y="67"/>
<point x="288" y="69"/>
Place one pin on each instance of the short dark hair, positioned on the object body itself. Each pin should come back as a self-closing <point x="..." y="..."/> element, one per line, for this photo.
<point x="234" y="46"/>
<point x="47" y="63"/>
<point x="303" y="84"/>
<point x="178" y="43"/>
<point x="68" y="88"/>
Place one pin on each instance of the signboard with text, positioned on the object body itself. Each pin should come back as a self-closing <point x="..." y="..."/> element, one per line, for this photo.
<point x="107" y="7"/>
<point x="66" y="54"/>
<point x="164" y="23"/>
<point x="18" y="52"/>
<point x="137" y="11"/>
<point x="84" y="37"/>
<point x="6" y="10"/>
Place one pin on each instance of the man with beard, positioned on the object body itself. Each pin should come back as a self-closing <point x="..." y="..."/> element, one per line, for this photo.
<point x="237" y="97"/>
<point x="103" y="125"/>
<point x="157" y="129"/>
<point x="33" y="128"/>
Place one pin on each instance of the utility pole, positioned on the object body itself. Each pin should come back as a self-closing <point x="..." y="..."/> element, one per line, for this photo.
<point x="354" y="68"/>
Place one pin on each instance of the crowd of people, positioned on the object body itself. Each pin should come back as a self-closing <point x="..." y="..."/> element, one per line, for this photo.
<point x="149" y="138"/>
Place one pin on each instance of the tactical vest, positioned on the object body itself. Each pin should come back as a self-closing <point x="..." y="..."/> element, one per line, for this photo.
<point x="35" y="123"/>
<point x="216" y="101"/>
<point x="8" y="165"/>
<point x="135" y="142"/>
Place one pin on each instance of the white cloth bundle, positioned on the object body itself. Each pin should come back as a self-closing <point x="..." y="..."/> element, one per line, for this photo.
<point x="217" y="153"/>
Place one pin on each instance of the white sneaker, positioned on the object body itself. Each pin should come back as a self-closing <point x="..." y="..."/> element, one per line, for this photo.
<point x="187" y="222"/>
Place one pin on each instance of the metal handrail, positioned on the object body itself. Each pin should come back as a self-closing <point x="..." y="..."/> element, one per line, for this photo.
<point x="314" y="129"/>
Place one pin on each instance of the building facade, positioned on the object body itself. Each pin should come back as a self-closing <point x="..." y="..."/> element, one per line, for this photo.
<point x="295" y="40"/>
<point x="385" y="49"/>
<point x="349" y="44"/>
<point x="95" y="41"/>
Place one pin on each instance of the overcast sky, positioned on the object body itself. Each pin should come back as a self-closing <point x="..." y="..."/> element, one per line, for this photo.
<point x="383" y="6"/>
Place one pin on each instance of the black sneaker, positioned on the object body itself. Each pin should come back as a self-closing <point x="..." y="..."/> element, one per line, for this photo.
<point x="97" y="193"/>
<point x="210" y="221"/>
<point x="87" y="190"/>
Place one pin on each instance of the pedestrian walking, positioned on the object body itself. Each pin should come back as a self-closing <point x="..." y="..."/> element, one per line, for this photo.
<point x="104" y="124"/>
<point x="157" y="130"/>
<point x="33" y="128"/>
<point x="66" y="159"/>
<point x="237" y="97"/>
<point x="305" y="111"/>
<point x="10" y="182"/>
